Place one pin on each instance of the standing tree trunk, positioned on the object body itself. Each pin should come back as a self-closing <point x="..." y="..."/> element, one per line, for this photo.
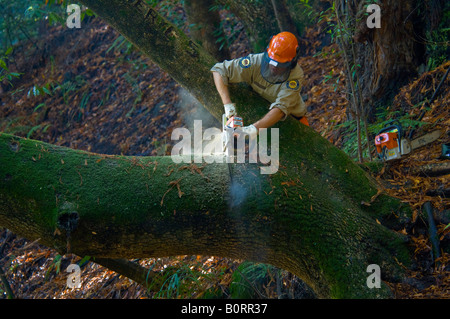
<point x="284" y="19"/>
<point x="320" y="216"/>
<point x="388" y="56"/>
<point x="258" y="18"/>
<point x="205" y="28"/>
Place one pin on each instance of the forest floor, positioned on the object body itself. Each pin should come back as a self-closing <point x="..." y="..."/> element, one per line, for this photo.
<point x="86" y="89"/>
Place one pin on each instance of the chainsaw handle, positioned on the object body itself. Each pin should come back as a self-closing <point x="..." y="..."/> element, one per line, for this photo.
<point x="390" y="128"/>
<point x="224" y="120"/>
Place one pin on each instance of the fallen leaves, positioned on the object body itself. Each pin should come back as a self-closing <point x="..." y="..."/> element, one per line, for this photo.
<point x="193" y="168"/>
<point x="110" y="121"/>
<point x="173" y="184"/>
<point x="373" y="198"/>
<point x="417" y="179"/>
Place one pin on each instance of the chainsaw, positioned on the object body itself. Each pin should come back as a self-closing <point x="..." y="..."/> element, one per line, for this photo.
<point x="229" y="125"/>
<point x="391" y="142"/>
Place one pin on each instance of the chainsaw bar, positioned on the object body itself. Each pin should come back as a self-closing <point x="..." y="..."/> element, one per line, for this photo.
<point x="425" y="139"/>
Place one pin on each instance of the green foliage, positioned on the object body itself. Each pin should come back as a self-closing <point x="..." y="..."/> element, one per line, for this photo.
<point x="227" y="23"/>
<point x="438" y="44"/>
<point x="438" y="48"/>
<point x="37" y="90"/>
<point x="305" y="13"/>
<point x="183" y="281"/>
<point x="54" y="266"/>
<point x="20" y="20"/>
<point x="67" y="90"/>
<point x="249" y="279"/>
<point x="168" y="9"/>
<point x="134" y="82"/>
<point x="122" y="45"/>
<point x="332" y="77"/>
<point x="83" y="104"/>
<point x="36" y="128"/>
<point x="221" y="38"/>
<point x="385" y="116"/>
<point x="350" y="146"/>
<point x="5" y="73"/>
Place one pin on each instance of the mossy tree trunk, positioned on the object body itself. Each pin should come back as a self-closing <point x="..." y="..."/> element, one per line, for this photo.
<point x="301" y="219"/>
<point x="205" y="28"/>
<point x="308" y="218"/>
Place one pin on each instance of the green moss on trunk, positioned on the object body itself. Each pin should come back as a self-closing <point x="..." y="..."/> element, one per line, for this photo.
<point x="131" y="207"/>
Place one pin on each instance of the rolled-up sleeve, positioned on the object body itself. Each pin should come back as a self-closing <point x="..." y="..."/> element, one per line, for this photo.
<point x="234" y="71"/>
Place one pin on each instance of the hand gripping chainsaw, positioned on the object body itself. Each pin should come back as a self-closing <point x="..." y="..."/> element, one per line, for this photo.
<point x="229" y="125"/>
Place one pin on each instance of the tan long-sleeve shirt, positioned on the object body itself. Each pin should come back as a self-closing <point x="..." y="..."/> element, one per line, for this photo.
<point x="285" y="96"/>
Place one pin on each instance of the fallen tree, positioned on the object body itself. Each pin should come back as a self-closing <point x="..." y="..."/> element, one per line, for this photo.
<point x="299" y="219"/>
<point x="320" y="216"/>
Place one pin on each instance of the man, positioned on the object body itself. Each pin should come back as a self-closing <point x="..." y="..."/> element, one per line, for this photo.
<point x="274" y="74"/>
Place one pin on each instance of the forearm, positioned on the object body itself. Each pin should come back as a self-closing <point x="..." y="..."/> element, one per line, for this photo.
<point x="270" y="119"/>
<point x="222" y="88"/>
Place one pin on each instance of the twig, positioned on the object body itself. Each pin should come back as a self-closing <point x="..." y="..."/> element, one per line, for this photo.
<point x="173" y="183"/>
<point x="430" y="170"/>
<point x="431" y="101"/>
<point x="5" y="282"/>
<point x="9" y="291"/>
<point x="432" y="231"/>
<point x="352" y="85"/>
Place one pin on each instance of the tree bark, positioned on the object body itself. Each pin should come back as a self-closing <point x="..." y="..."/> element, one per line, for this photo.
<point x="258" y="18"/>
<point x="308" y="218"/>
<point x="205" y="28"/>
<point x="391" y="55"/>
<point x="284" y="19"/>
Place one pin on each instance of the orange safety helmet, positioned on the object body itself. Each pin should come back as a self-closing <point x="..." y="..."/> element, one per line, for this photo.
<point x="280" y="58"/>
<point x="283" y="47"/>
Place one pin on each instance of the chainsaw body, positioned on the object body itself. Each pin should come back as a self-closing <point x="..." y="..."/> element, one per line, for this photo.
<point x="235" y="122"/>
<point x="229" y="126"/>
<point x="391" y="144"/>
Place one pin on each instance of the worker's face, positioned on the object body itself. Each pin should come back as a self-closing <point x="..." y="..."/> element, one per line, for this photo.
<point x="274" y="72"/>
